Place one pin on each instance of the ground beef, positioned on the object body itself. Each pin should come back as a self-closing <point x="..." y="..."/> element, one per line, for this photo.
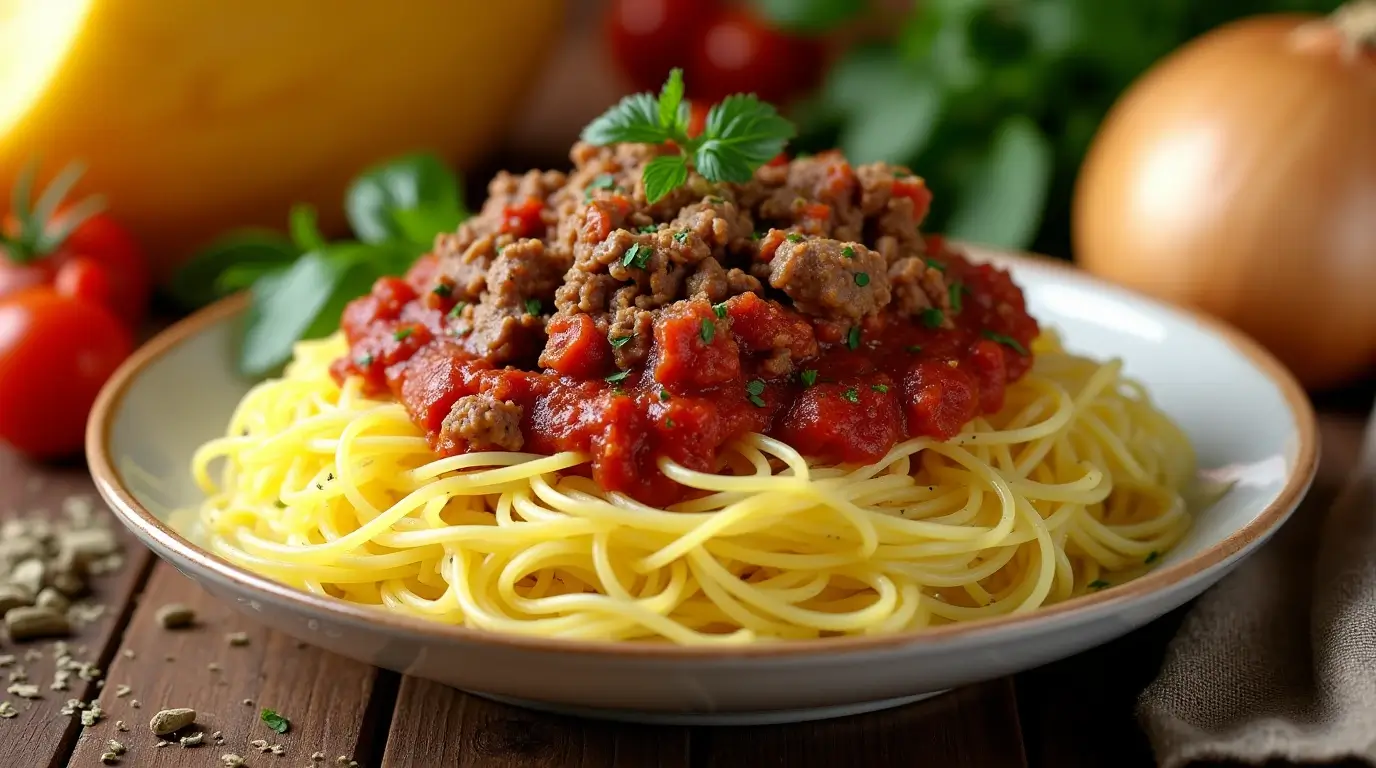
<point x="606" y="251"/>
<point x="482" y="421"/>
<point x="830" y="278"/>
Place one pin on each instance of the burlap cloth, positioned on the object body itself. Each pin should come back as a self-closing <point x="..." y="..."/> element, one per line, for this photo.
<point x="1278" y="662"/>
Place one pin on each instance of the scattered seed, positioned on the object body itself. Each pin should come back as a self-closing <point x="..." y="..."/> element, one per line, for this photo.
<point x="109" y="758"/>
<point x="216" y="736"/>
<point x="60" y="679"/>
<point x="277" y="749"/>
<point x="232" y="761"/>
<point x="122" y="690"/>
<point x="128" y="653"/>
<point x="116" y="747"/>
<point x="176" y="616"/>
<point x="135" y="703"/>
<point x="120" y="726"/>
<point x="93" y="715"/>
<point x="237" y="638"/>
<point x="213" y="667"/>
<point x="52" y="600"/>
<point x="23" y="690"/>
<point x="72" y="707"/>
<point x="19" y="675"/>
<point x="194" y="740"/>
<point x="247" y="702"/>
<point x="6" y="659"/>
<point x="162" y="744"/>
<point x="31" y="623"/>
<point x="171" y="720"/>
<point x="13" y="596"/>
<point x="7" y="710"/>
<point x="259" y="744"/>
<point x="28" y="576"/>
<point x="318" y="757"/>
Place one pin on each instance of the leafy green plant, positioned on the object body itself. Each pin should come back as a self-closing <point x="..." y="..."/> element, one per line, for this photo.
<point x="995" y="102"/>
<point x="300" y="284"/>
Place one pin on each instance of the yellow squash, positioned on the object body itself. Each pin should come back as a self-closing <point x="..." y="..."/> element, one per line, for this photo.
<point x="195" y="116"/>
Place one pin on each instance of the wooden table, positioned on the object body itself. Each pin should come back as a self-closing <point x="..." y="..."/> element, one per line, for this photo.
<point x="1073" y="713"/>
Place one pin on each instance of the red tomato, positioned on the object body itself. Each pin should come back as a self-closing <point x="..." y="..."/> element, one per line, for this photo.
<point x="84" y="279"/>
<point x="738" y="53"/>
<point x="55" y="353"/>
<point x="102" y="242"/>
<point x="648" y="37"/>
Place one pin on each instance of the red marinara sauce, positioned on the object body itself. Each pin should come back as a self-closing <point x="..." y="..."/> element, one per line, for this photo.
<point x="854" y="394"/>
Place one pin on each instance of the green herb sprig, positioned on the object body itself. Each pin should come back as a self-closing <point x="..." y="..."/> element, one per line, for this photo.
<point x="300" y="284"/>
<point x="275" y="721"/>
<point x="741" y="134"/>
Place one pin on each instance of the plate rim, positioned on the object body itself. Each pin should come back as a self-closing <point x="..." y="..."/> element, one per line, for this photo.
<point x="152" y="530"/>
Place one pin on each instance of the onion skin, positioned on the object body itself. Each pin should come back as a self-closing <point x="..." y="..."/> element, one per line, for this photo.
<point x="1238" y="176"/>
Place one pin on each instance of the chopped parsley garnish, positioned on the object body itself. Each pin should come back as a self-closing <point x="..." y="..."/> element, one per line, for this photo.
<point x="853" y="338"/>
<point x="458" y="309"/>
<point x="753" y="390"/>
<point x="1153" y="557"/>
<point x="880" y="388"/>
<point x="681" y="236"/>
<point x="1098" y="584"/>
<point x="664" y="395"/>
<point x="621" y="341"/>
<point x="809" y="377"/>
<point x="757" y="235"/>
<point x="707" y="331"/>
<point x="915" y="349"/>
<point x="719" y="310"/>
<point x="442" y="289"/>
<point x="862" y="279"/>
<point x="848" y="252"/>
<point x="741" y="134"/>
<point x="275" y="721"/>
<point x="618" y="376"/>
<point x="669" y="423"/>
<point x="794" y="237"/>
<point x="402" y="333"/>
<point x="647" y="229"/>
<point x="1007" y="341"/>
<point x="934" y="264"/>
<point x="532" y="306"/>
<point x="637" y="256"/>
<point x="851" y="395"/>
<point x="955" y="293"/>
<point x="933" y="318"/>
<point x="363" y="361"/>
<point x="600" y="181"/>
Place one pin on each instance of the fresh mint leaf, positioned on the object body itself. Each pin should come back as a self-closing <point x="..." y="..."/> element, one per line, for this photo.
<point x="305" y="232"/>
<point x="752" y="129"/>
<point x="664" y="174"/>
<point x="634" y="119"/>
<point x="716" y="161"/>
<point x="251" y="252"/>
<point x="670" y="98"/>
<point x="418" y="182"/>
<point x="275" y="721"/>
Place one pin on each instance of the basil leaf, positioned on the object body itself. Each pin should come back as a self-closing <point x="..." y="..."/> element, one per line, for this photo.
<point x="635" y="119"/>
<point x="751" y="128"/>
<point x="808" y="15"/>
<point x="305" y="232"/>
<point x="419" y="181"/>
<point x="717" y="161"/>
<point x="284" y="306"/>
<point x="255" y="251"/>
<point x="1002" y="202"/>
<point x="663" y="174"/>
<point x="670" y="98"/>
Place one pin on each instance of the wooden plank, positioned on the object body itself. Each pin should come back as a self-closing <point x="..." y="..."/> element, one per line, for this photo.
<point x="38" y="735"/>
<point x="437" y="725"/>
<point x="975" y="727"/>
<point x="326" y="698"/>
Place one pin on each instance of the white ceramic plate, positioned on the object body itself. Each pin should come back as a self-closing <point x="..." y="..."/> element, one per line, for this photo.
<point x="1250" y="422"/>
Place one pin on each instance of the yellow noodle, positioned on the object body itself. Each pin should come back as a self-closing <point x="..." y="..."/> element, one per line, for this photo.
<point x="1075" y="485"/>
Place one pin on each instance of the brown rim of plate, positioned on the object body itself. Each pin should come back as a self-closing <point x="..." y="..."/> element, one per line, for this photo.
<point x="110" y="485"/>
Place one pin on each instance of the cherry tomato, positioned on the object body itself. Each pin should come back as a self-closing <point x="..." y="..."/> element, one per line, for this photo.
<point x="649" y="37"/>
<point x="738" y="53"/>
<point x="85" y="279"/>
<point x="55" y="353"/>
<point x="101" y="240"/>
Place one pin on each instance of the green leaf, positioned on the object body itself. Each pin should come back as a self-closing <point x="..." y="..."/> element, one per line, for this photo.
<point x="717" y="161"/>
<point x="410" y="183"/>
<point x="897" y="122"/>
<point x="1001" y="204"/>
<point x="304" y="230"/>
<point x="809" y="15"/>
<point x="663" y="174"/>
<point x="275" y="721"/>
<point x="635" y="119"/>
<point x="670" y="99"/>
<point x="195" y="284"/>
<point x="750" y="128"/>
<point x="285" y="305"/>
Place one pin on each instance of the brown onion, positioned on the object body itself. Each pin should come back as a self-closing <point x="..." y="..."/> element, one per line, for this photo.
<point x="1239" y="176"/>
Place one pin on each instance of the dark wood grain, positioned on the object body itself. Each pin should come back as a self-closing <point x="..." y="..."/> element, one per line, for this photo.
<point x="437" y="725"/>
<point x="973" y="727"/>
<point x="326" y="697"/>
<point x="39" y="736"/>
